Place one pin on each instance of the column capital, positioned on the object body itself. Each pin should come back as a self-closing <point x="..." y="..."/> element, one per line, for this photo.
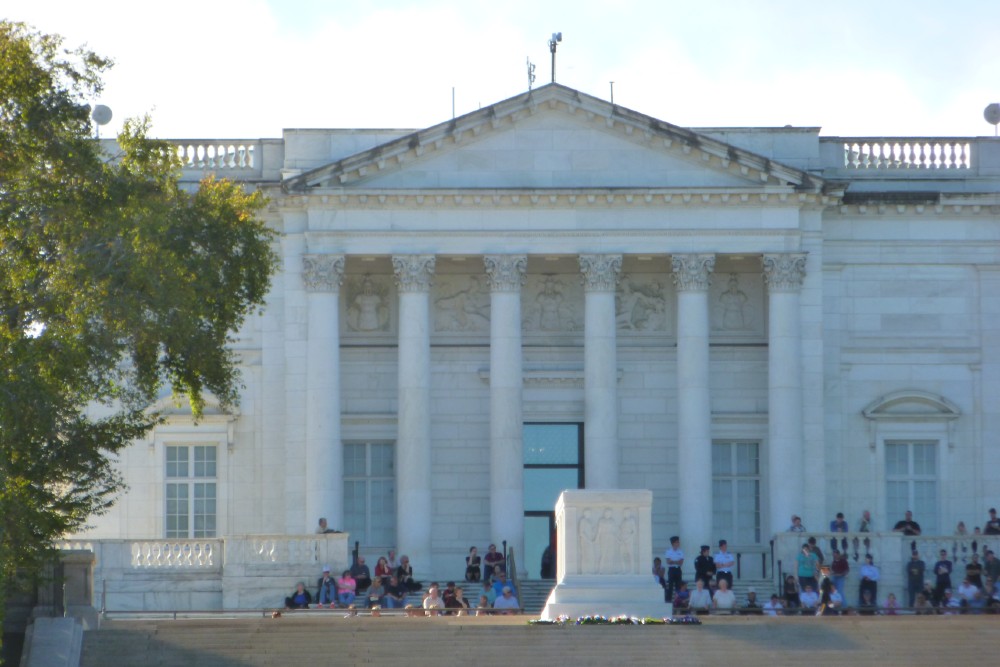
<point x="784" y="272"/>
<point x="505" y="272"/>
<point x="692" y="272"/>
<point x="322" y="273"/>
<point x="413" y="272"/>
<point x="600" y="272"/>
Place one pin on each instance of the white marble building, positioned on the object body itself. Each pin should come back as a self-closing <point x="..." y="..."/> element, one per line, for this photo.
<point x="554" y="292"/>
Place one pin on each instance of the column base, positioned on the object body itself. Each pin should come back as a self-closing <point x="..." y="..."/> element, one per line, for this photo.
<point x="606" y="596"/>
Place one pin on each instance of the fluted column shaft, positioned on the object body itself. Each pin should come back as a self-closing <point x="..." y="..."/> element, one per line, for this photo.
<point x="691" y="274"/>
<point x="413" y="442"/>
<point x="506" y="277"/>
<point x="600" y="370"/>
<point x="784" y="274"/>
<point x="322" y="275"/>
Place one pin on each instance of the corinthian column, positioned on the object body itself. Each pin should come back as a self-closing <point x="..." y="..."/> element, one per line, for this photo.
<point x="322" y="275"/>
<point x="600" y="370"/>
<point x="506" y="276"/>
<point x="784" y="273"/>
<point x="413" y="442"/>
<point x="694" y="408"/>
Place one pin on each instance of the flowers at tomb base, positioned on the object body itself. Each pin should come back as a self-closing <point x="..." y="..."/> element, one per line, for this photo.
<point x="623" y="619"/>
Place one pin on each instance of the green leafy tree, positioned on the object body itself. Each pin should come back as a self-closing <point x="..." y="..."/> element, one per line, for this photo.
<point x="115" y="282"/>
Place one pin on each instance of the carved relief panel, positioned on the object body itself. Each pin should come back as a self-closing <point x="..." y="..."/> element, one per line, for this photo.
<point x="736" y="303"/>
<point x="461" y="303"/>
<point x="552" y="303"/>
<point x="369" y="304"/>
<point x="608" y="541"/>
<point x="643" y="304"/>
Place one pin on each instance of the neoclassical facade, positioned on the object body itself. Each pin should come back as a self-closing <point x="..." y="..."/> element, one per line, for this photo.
<point x="556" y="292"/>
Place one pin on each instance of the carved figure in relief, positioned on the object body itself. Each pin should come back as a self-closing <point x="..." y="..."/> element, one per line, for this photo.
<point x="641" y="307"/>
<point x="627" y="543"/>
<point x="588" y="547"/>
<point x="368" y="311"/>
<point x="607" y="543"/>
<point x="733" y="302"/>
<point x="549" y="302"/>
<point x="467" y="309"/>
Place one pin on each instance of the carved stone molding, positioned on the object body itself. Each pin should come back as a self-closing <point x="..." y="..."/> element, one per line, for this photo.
<point x="600" y="272"/>
<point x="692" y="272"/>
<point x="413" y="272"/>
<point x="506" y="273"/>
<point x="322" y="273"/>
<point x="784" y="272"/>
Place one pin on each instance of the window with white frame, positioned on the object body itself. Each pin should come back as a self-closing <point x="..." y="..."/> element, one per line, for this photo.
<point x="370" y="493"/>
<point x="911" y="482"/>
<point x="736" y="491"/>
<point x="191" y="491"/>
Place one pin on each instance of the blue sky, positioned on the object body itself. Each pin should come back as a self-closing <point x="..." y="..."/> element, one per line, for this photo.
<point x="248" y="68"/>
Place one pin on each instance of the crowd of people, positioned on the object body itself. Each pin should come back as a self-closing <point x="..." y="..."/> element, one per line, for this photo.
<point x="819" y="585"/>
<point x="393" y="586"/>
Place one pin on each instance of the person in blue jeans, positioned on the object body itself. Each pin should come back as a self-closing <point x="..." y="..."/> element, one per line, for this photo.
<point x="326" y="593"/>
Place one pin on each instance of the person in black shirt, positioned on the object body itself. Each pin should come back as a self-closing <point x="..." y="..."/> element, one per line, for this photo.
<point x="704" y="565"/>
<point x="907" y="526"/>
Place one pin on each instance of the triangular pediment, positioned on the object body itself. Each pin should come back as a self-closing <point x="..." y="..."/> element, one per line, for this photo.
<point x="554" y="137"/>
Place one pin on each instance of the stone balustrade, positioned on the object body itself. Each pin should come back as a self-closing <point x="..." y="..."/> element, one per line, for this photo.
<point x="221" y="155"/>
<point x="235" y="572"/>
<point x="907" y="153"/>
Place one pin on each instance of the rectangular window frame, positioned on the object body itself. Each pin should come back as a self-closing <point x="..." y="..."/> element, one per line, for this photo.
<point x="370" y="533"/>
<point x="191" y="490"/>
<point x="734" y="480"/>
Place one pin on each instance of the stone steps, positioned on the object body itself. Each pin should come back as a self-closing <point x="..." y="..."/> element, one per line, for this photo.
<point x="331" y="639"/>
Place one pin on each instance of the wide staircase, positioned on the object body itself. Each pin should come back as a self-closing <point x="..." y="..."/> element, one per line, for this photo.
<point x="533" y="593"/>
<point x="331" y="639"/>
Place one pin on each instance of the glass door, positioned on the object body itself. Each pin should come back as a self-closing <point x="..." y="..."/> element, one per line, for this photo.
<point x="553" y="462"/>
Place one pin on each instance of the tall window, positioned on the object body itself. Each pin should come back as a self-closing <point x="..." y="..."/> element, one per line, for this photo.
<point x="370" y="493"/>
<point x="191" y="491"/>
<point x="911" y="482"/>
<point x="736" y="491"/>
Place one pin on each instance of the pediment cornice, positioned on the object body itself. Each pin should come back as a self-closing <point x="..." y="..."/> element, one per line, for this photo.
<point x="631" y="125"/>
<point x="554" y="198"/>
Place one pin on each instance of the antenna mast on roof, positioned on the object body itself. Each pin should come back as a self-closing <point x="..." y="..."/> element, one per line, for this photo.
<point x="556" y="38"/>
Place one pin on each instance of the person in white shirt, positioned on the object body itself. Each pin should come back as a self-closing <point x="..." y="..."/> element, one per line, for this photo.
<point x="724" y="600"/>
<point x="674" y="560"/>
<point x="808" y="598"/>
<point x="433" y="602"/>
<point x="724" y="563"/>
<point x="773" y="607"/>
<point x="701" y="599"/>
<point x="967" y="591"/>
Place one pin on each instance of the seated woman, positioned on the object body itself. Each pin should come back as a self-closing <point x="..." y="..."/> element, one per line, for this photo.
<point x="791" y="593"/>
<point x="922" y="604"/>
<point x="473" y="565"/>
<point x="404" y="573"/>
<point x="300" y="597"/>
<point x="346" y="589"/>
<point x="383" y="571"/>
<point x="375" y="593"/>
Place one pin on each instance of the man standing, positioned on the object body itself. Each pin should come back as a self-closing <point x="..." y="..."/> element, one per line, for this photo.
<point x="675" y="560"/>
<point x="704" y="565"/>
<point x="942" y="572"/>
<point x="865" y="525"/>
<point x="724" y="563"/>
<point x="993" y="525"/>
<point x="914" y="576"/>
<point x="907" y="526"/>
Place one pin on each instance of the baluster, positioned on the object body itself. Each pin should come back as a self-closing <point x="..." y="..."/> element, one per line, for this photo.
<point x="855" y="542"/>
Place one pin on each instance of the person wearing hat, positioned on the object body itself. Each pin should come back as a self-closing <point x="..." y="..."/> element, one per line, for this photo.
<point x="704" y="565"/>
<point x="675" y="560"/>
<point x="326" y="589"/>
<point x="993" y="525"/>
<point x="724" y="563"/>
